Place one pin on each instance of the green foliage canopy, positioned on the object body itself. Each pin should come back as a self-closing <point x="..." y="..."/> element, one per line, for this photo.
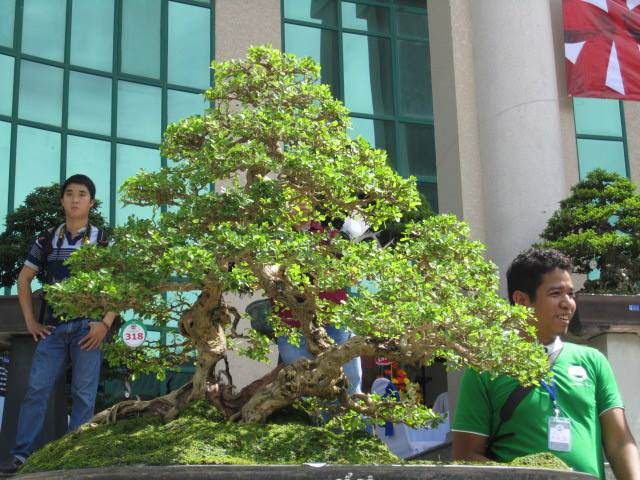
<point x="276" y="146"/>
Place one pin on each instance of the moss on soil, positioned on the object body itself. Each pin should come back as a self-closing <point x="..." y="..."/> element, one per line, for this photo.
<point x="199" y="436"/>
<point x="540" y="460"/>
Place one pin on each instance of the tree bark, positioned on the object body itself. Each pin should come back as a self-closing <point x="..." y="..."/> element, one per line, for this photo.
<point x="204" y="323"/>
<point x="320" y="377"/>
<point x="302" y="305"/>
<point x="166" y="407"/>
<point x="323" y="376"/>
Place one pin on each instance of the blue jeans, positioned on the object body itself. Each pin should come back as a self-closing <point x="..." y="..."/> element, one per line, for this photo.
<point x="49" y="361"/>
<point x="352" y="369"/>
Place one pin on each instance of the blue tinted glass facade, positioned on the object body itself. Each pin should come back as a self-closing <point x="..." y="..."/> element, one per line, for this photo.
<point x="600" y="135"/>
<point x="375" y="56"/>
<point x="88" y="86"/>
<point x="81" y="80"/>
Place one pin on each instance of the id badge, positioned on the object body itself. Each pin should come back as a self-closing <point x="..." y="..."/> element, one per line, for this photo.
<point x="559" y="434"/>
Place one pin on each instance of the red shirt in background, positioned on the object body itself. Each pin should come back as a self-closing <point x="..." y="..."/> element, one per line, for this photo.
<point x="336" y="296"/>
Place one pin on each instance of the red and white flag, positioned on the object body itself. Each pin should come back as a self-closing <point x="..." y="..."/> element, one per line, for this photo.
<point x="602" y="48"/>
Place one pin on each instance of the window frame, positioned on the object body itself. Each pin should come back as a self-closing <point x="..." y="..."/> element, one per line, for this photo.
<point x="115" y="76"/>
<point x="610" y="138"/>
<point x="400" y="153"/>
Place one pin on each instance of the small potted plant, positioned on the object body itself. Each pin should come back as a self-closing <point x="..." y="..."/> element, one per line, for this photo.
<point x="598" y="227"/>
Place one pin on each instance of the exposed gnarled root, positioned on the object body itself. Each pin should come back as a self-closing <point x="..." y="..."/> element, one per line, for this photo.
<point x="166" y="407"/>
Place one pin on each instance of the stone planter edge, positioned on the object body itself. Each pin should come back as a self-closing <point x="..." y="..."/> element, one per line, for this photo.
<point x="605" y="313"/>
<point x="303" y="472"/>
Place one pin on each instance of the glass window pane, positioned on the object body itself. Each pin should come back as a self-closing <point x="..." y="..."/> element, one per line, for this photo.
<point x="44" y="28"/>
<point x="364" y="128"/>
<point x="412" y="24"/>
<point x="184" y="104"/>
<point x="605" y="154"/>
<point x="319" y="44"/>
<point x="175" y="339"/>
<point x="152" y="335"/>
<point x="92" y="34"/>
<point x="430" y="190"/>
<point x="8" y="9"/>
<point x="322" y="12"/>
<point x="6" y="84"/>
<point x="89" y="103"/>
<point x="367" y="74"/>
<point x="189" y="45"/>
<point x="129" y="161"/>
<point x="414" y="79"/>
<point x="379" y="133"/>
<point x="93" y="158"/>
<point x="364" y="17"/>
<point x="5" y="143"/>
<point x="597" y="116"/>
<point x="418" y="144"/>
<point x="178" y="302"/>
<point x="139" y="112"/>
<point x="141" y="37"/>
<point x="40" y="93"/>
<point x="421" y="4"/>
<point x="37" y="160"/>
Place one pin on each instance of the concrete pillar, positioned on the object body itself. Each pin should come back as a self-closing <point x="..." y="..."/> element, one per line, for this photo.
<point x="241" y="24"/>
<point x="456" y="133"/>
<point x="519" y="124"/>
<point x="500" y="112"/>
<point x="454" y="103"/>
<point x="458" y="160"/>
<point x="623" y="352"/>
<point x="632" y="124"/>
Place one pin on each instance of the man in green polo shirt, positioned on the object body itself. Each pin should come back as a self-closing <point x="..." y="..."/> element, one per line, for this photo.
<point x="572" y="415"/>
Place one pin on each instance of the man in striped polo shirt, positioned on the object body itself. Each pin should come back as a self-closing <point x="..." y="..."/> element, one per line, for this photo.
<point x="78" y="339"/>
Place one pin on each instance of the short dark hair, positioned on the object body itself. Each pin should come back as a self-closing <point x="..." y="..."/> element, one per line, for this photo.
<point x="526" y="271"/>
<point x="80" y="180"/>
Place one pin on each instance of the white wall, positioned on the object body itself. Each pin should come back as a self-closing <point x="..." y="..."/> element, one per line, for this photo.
<point x="623" y="352"/>
<point x="239" y="25"/>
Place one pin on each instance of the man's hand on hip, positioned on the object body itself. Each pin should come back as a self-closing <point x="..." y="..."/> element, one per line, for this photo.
<point x="93" y="339"/>
<point x="39" y="331"/>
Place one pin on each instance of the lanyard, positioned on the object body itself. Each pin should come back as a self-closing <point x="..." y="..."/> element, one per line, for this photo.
<point x="86" y="236"/>
<point x="551" y="390"/>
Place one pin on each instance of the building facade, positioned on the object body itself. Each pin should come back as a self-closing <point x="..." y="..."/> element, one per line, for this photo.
<point x="468" y="96"/>
<point x="510" y="143"/>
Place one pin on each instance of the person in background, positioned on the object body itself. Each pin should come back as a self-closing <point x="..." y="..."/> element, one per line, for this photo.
<point x="78" y="339"/>
<point x="289" y="352"/>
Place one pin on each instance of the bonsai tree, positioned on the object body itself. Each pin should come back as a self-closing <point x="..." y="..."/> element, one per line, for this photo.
<point x="41" y="210"/>
<point x="276" y="143"/>
<point x="598" y="227"/>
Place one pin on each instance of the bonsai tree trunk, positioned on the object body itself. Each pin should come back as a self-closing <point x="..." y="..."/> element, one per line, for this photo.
<point x="204" y="323"/>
